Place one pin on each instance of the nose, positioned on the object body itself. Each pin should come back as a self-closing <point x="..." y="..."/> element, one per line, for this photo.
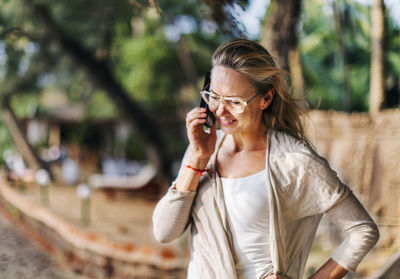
<point x="220" y="109"/>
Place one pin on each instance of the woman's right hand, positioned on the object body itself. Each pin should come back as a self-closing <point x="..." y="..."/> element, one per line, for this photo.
<point x="202" y="144"/>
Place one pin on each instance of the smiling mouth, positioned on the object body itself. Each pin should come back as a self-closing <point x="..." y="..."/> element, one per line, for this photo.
<point x="226" y="122"/>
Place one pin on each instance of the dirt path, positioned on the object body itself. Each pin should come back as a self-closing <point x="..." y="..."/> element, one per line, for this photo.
<point x="23" y="259"/>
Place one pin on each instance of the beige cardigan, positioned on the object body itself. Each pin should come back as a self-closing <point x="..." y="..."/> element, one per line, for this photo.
<point x="301" y="187"/>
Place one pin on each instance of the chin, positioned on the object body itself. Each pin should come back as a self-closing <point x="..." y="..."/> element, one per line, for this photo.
<point x="226" y="131"/>
<point x="228" y="127"/>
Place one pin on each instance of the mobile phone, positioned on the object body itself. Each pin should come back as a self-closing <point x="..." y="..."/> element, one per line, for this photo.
<point x="210" y="116"/>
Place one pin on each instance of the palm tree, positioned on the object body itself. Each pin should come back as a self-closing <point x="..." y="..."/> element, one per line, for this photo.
<point x="377" y="79"/>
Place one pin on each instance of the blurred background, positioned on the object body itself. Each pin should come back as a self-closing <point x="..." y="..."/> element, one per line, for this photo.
<point x="94" y="96"/>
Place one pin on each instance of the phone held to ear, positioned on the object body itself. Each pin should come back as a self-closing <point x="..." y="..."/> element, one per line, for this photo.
<point x="210" y="116"/>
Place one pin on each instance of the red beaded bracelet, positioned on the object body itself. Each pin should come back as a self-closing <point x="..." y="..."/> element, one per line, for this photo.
<point x="199" y="171"/>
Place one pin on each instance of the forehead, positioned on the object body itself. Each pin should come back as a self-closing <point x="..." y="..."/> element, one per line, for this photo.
<point x="228" y="82"/>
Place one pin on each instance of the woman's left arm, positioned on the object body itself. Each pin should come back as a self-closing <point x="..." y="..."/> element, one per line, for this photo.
<point x="330" y="270"/>
<point x="361" y="235"/>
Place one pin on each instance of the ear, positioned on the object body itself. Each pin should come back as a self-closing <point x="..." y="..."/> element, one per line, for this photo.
<point x="267" y="99"/>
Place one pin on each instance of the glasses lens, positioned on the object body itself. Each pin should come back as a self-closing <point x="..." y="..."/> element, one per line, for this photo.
<point x="234" y="105"/>
<point x="211" y="99"/>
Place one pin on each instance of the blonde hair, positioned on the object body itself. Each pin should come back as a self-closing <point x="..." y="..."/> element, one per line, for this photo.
<point x="254" y="61"/>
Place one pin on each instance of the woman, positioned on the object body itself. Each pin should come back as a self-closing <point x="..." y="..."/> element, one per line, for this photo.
<point x="254" y="192"/>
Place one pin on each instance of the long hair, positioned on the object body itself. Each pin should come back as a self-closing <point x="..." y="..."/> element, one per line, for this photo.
<point x="254" y="61"/>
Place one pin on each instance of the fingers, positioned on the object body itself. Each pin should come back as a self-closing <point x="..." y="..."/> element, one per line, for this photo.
<point x="196" y="117"/>
<point x="202" y="142"/>
<point x="196" y="113"/>
<point x="195" y="123"/>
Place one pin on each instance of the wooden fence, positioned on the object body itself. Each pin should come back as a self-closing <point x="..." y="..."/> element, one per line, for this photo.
<point x="365" y="151"/>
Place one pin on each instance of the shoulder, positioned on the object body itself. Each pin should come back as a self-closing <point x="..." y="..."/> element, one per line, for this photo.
<point x="288" y="152"/>
<point x="304" y="177"/>
<point x="282" y="144"/>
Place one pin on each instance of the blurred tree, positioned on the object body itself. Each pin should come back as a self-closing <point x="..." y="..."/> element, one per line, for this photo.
<point x="342" y="20"/>
<point x="392" y="63"/>
<point x="280" y="37"/>
<point x="130" y="50"/>
<point x="95" y="65"/>
<point x="377" y="76"/>
<point x="322" y="60"/>
<point x="13" y="85"/>
<point x="19" y="138"/>
<point x="100" y="72"/>
<point x="145" y="59"/>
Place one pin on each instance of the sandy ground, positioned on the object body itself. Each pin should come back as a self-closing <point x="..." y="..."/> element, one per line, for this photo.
<point x="24" y="259"/>
<point x="127" y="219"/>
<point x="120" y="216"/>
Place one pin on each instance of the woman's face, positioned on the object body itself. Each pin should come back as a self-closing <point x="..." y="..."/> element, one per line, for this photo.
<point x="229" y="83"/>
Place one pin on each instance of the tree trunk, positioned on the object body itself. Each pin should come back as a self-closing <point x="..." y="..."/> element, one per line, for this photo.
<point x="346" y="97"/>
<point x="190" y="74"/>
<point x="296" y="73"/>
<point x="186" y="62"/>
<point x="280" y="37"/>
<point x="377" y="76"/>
<point x="19" y="139"/>
<point x="145" y="128"/>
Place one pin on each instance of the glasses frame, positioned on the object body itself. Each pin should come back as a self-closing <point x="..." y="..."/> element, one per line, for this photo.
<point x="222" y="99"/>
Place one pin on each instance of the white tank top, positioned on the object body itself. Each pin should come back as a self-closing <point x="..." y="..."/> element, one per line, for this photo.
<point x="248" y="218"/>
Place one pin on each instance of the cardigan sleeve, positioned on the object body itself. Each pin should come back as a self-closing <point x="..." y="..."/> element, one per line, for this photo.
<point x="313" y="188"/>
<point x="171" y="214"/>
<point x="361" y="232"/>
<point x="307" y="184"/>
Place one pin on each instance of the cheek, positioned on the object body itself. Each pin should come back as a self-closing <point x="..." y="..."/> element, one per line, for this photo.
<point x="243" y="118"/>
<point x="250" y="116"/>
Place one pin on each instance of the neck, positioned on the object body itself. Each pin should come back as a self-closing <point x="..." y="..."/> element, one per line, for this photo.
<point x="250" y="141"/>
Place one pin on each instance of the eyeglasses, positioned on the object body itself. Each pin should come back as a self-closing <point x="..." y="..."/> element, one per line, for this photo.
<point x="233" y="104"/>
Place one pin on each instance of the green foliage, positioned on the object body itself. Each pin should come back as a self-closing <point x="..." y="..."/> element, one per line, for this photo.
<point x="100" y="106"/>
<point x="25" y="106"/>
<point x="132" y="38"/>
<point x="144" y="69"/>
<point x="321" y="61"/>
<point x="129" y="36"/>
<point x="135" y="149"/>
<point x="393" y="48"/>
<point x="148" y="63"/>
